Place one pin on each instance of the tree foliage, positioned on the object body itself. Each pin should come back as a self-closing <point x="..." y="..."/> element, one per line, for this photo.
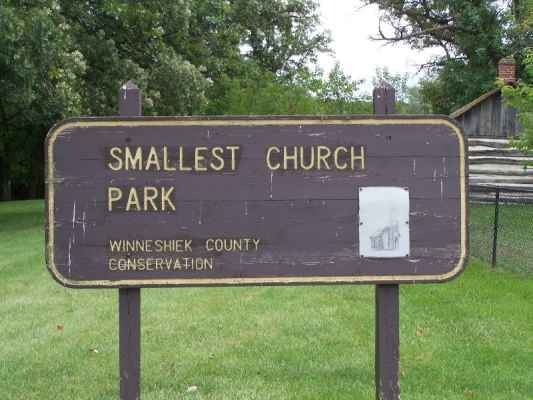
<point x="60" y="58"/>
<point x="40" y="82"/>
<point x="310" y="92"/>
<point x="461" y="28"/>
<point x="409" y="99"/>
<point x="281" y="35"/>
<point x="520" y="96"/>
<point x="473" y="35"/>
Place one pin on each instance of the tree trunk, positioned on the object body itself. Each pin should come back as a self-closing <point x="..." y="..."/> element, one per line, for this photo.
<point x="5" y="182"/>
<point x="5" y="178"/>
<point x="6" y="190"/>
<point x="36" y="189"/>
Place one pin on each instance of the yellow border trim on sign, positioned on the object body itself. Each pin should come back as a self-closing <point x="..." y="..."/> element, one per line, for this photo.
<point x="60" y="129"/>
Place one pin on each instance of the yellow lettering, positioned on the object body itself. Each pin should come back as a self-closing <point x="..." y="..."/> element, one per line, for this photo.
<point x="323" y="158"/>
<point x="166" y="164"/>
<point x="133" y="200"/>
<point x="133" y="162"/>
<point x="114" y="194"/>
<point x="150" y="194"/>
<point x="181" y="157"/>
<point x="199" y="159"/>
<point x="217" y="153"/>
<point x="115" y="152"/>
<point x="271" y="166"/>
<point x="355" y="157"/>
<point x="233" y="150"/>
<point x="302" y="159"/>
<point x="153" y="158"/>
<point x="287" y="157"/>
<point x="336" y="158"/>
<point x="165" y="199"/>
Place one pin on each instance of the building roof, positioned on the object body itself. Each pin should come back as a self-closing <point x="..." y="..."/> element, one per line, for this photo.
<point x="472" y="104"/>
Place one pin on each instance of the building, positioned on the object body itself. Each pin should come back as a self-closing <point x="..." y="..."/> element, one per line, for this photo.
<point x="387" y="238"/>
<point x="494" y="165"/>
<point x="489" y="116"/>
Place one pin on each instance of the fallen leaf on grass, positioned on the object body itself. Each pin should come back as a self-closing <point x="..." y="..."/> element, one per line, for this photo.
<point x="60" y="328"/>
<point x="419" y="331"/>
<point x="191" y="389"/>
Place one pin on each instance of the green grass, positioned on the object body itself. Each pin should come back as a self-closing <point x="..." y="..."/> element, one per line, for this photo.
<point x="515" y="235"/>
<point x="471" y="338"/>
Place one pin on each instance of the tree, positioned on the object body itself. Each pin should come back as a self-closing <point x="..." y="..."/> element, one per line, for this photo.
<point x="338" y="93"/>
<point x="415" y="102"/>
<point x="140" y="41"/>
<point x="520" y="96"/>
<point x="397" y="81"/>
<point x="278" y="37"/>
<point x="310" y="92"/>
<point x="261" y="93"/>
<point x="473" y="35"/>
<point x="463" y="29"/>
<point x="281" y="35"/>
<point x="40" y="83"/>
<point x="409" y="99"/>
<point x="61" y="58"/>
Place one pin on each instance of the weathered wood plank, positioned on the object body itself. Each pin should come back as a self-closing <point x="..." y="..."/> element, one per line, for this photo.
<point x="129" y="298"/>
<point x="306" y="221"/>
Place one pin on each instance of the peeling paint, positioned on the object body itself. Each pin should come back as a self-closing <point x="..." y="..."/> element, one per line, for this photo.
<point x="271" y="179"/>
<point x="311" y="263"/>
<point x="69" y="261"/>
<point x="73" y="214"/>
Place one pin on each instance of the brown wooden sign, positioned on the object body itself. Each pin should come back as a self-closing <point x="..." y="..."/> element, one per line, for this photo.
<point x="235" y="201"/>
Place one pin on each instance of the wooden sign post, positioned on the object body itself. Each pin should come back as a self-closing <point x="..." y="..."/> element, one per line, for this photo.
<point x="138" y="201"/>
<point x="387" y="340"/>
<point x="130" y="104"/>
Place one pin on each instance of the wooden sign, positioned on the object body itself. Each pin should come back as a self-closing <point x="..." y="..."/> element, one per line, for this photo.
<point x="235" y="201"/>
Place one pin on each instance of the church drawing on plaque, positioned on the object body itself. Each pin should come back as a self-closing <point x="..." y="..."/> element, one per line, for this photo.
<point x="387" y="238"/>
<point x="384" y="222"/>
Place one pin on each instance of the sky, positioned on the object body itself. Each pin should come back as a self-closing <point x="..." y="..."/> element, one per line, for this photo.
<point x="351" y="26"/>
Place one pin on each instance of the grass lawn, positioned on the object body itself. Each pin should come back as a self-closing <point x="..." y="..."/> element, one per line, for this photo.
<point x="515" y="235"/>
<point x="468" y="339"/>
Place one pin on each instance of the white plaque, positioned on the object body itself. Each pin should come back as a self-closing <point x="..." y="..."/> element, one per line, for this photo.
<point x="384" y="222"/>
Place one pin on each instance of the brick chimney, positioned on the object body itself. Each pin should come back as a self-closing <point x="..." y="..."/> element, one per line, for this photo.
<point x="507" y="70"/>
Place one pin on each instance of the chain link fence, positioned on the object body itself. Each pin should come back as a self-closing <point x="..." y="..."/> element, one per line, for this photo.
<point x="501" y="227"/>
